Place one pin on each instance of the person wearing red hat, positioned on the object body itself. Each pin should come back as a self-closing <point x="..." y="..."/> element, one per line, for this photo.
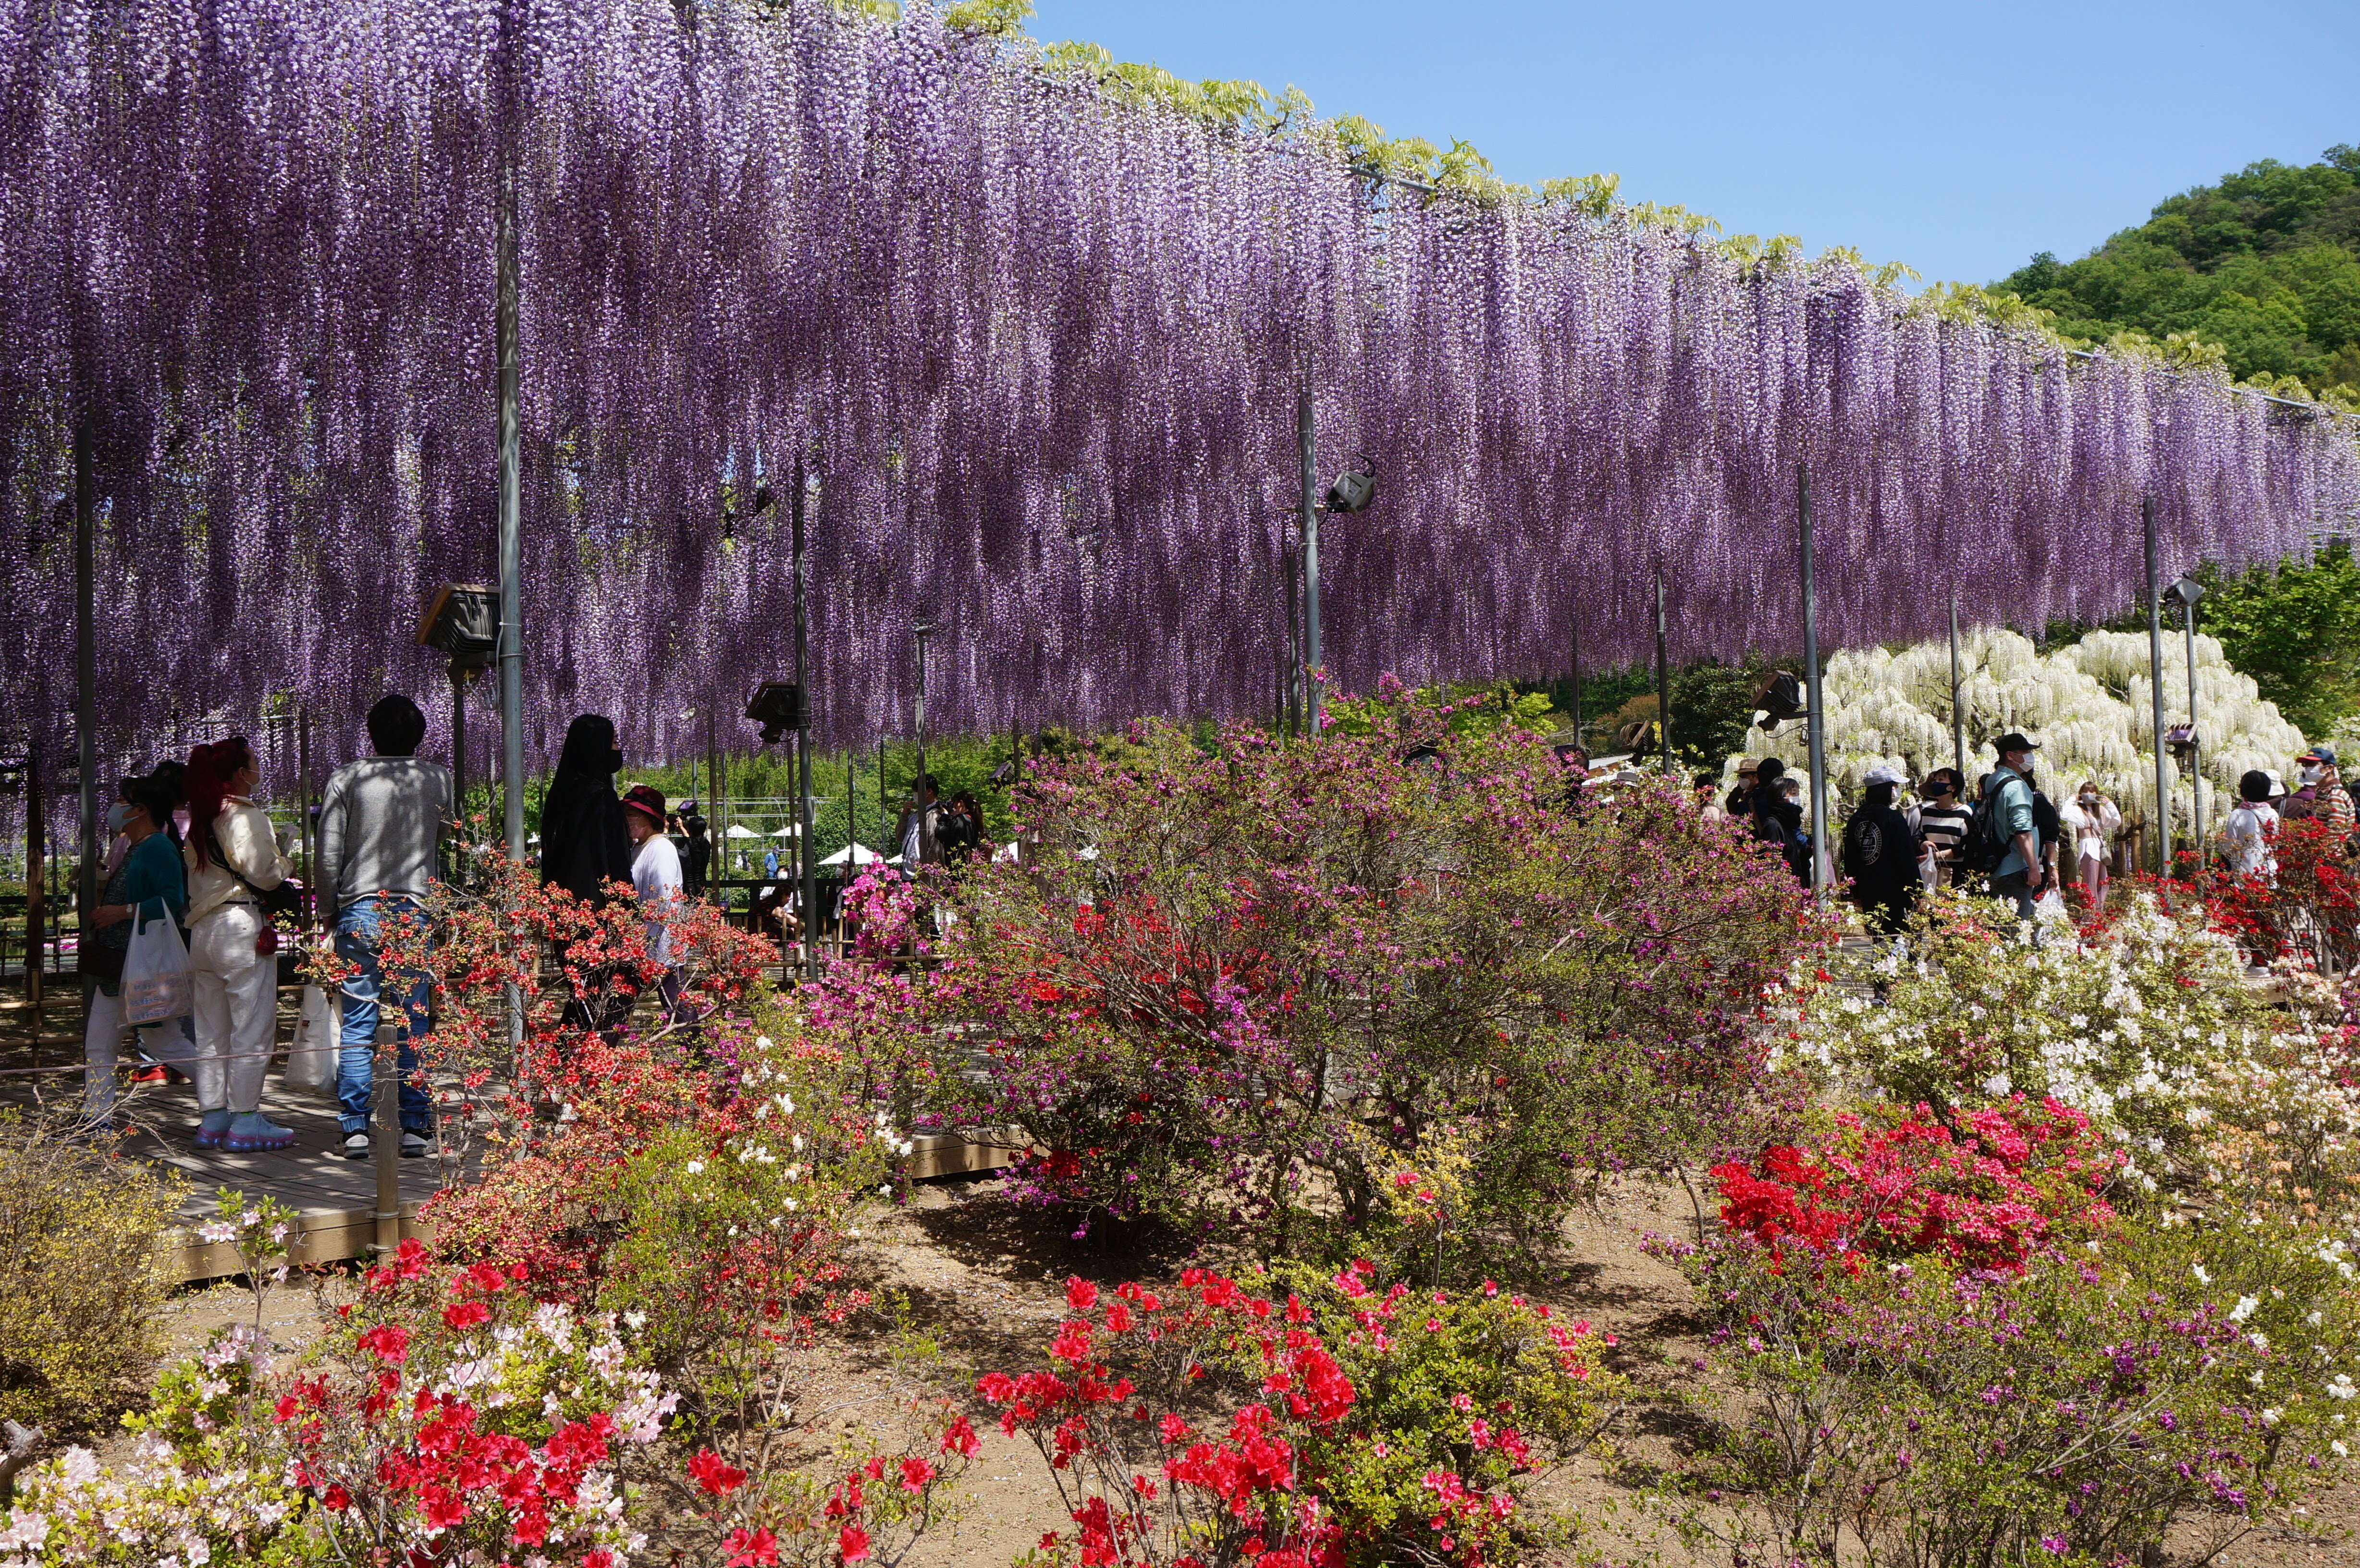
<point x="656" y="878"/>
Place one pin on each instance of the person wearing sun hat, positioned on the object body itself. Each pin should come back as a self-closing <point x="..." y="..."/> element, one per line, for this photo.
<point x="1880" y="853"/>
<point x="656" y="878"/>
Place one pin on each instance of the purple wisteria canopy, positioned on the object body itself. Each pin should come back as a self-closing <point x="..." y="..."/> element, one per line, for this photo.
<point x="1038" y="350"/>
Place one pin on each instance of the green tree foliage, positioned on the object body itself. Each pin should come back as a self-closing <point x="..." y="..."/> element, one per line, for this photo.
<point x="2265" y="265"/>
<point x="2295" y="629"/>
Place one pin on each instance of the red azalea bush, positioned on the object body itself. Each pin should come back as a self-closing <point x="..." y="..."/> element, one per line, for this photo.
<point x="1328" y="1424"/>
<point x="1984" y="1192"/>
<point x="1235" y="986"/>
<point x="451" y="1417"/>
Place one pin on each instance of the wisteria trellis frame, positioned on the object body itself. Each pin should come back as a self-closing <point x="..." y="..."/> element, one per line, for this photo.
<point x="1040" y="347"/>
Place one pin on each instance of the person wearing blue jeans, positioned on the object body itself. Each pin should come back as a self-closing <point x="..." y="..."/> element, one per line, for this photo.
<point x="381" y="825"/>
<point x="357" y="940"/>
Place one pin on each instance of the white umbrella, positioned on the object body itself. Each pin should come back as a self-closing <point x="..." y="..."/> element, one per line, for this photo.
<point x="790" y="830"/>
<point x="858" y="854"/>
<point x="740" y="829"/>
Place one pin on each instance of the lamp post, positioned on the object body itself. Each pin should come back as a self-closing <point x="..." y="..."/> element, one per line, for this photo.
<point x="810" y="874"/>
<point x="1306" y="442"/>
<point x="1811" y="673"/>
<point x="2154" y="690"/>
<point x="1662" y="679"/>
<point x="2184" y="593"/>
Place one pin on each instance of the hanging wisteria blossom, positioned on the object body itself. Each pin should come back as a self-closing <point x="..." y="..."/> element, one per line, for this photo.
<point x="1032" y="352"/>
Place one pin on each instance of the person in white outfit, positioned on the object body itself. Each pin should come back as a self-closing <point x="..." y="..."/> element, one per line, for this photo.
<point x="656" y="878"/>
<point x="233" y="860"/>
<point x="2091" y="821"/>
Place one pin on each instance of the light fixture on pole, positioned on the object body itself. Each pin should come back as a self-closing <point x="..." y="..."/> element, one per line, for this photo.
<point x="2184" y="593"/>
<point x="461" y="620"/>
<point x="2154" y="691"/>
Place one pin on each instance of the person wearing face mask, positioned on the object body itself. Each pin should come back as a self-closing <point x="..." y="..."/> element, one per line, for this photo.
<point x="2322" y="793"/>
<point x="232" y="858"/>
<point x="2091" y="821"/>
<point x="148" y="886"/>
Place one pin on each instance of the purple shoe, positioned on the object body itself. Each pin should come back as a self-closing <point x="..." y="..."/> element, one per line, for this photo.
<point x="255" y="1134"/>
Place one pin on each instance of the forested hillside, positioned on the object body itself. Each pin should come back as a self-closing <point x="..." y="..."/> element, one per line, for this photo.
<point x="2265" y="265"/>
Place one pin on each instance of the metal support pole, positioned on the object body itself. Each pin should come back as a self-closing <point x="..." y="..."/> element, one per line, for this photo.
<point x="1662" y="679"/>
<point x="1573" y="650"/>
<point x="2195" y="739"/>
<point x="923" y="630"/>
<point x="459" y="760"/>
<point x="1958" y="719"/>
<point x="511" y="524"/>
<point x="810" y="877"/>
<point x="2154" y="690"/>
<point x="37" y="886"/>
<point x="509" y="430"/>
<point x="311" y="815"/>
<point x="86" y="505"/>
<point x="1811" y="673"/>
<point x="1292" y="716"/>
<point x="1307" y="436"/>
<point x="384" y="1142"/>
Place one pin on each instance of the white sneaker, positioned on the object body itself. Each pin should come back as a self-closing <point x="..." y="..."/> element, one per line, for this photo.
<point x="413" y="1146"/>
<point x="356" y="1146"/>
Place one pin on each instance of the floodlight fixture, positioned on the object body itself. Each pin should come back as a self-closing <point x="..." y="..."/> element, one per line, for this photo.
<point x="778" y="707"/>
<point x="463" y="620"/>
<point x="1354" y="488"/>
<point x="2184" y="593"/>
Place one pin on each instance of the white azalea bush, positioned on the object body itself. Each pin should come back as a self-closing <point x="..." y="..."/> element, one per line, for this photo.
<point x="2090" y="705"/>
<point x="2130" y="1026"/>
<point x="156" y="1508"/>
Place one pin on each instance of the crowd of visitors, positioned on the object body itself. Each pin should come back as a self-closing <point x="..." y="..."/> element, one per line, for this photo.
<point x="383" y="821"/>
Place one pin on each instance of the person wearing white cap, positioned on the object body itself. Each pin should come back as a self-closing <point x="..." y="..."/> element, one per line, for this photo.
<point x="1881" y="851"/>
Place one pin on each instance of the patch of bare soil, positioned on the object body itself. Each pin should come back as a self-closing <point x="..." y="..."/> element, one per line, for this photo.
<point x="984" y="1279"/>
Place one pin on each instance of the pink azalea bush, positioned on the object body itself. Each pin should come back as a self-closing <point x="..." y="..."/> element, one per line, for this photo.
<point x="1237" y="986"/>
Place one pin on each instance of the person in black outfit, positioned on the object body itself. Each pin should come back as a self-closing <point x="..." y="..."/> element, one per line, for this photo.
<point x="582" y="845"/>
<point x="1881" y="855"/>
<point x="1777" y="820"/>
<point x="696" y="860"/>
<point x="959" y="831"/>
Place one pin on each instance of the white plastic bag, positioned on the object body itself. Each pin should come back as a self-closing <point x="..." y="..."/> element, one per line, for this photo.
<point x="311" y="1058"/>
<point x="2050" y="905"/>
<point x="156" y="983"/>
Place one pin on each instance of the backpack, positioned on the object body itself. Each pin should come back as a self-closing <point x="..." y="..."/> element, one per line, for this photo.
<point x="1987" y="842"/>
<point x="1864" y="845"/>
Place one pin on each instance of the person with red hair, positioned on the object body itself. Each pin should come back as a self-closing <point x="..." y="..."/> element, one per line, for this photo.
<point x="233" y="859"/>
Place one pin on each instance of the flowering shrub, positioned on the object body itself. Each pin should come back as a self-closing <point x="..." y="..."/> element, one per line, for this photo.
<point x="157" y="1509"/>
<point x="80" y="1291"/>
<point x="2125" y="1027"/>
<point x="1221" y="963"/>
<point x="1899" y="1184"/>
<point x="2306" y="911"/>
<point x="1916" y="1412"/>
<point x="450" y="1414"/>
<point x="1215" y="1425"/>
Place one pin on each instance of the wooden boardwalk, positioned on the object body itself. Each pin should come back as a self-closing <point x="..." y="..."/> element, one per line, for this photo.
<point x="334" y="1197"/>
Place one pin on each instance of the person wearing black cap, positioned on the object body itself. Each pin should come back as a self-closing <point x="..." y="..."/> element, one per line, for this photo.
<point x="1880" y="853"/>
<point x="2019" y="875"/>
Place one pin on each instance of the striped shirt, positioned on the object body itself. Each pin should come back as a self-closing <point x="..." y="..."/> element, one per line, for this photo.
<point x="1945" y="828"/>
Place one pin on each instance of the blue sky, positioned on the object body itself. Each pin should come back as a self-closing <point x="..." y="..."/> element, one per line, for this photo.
<point x="1956" y="139"/>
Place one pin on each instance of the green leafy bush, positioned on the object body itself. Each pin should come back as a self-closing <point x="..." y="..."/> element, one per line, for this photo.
<point x="80" y="1281"/>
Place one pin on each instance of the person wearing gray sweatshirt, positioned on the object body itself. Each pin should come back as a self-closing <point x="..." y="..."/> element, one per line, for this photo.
<point x="381" y="825"/>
